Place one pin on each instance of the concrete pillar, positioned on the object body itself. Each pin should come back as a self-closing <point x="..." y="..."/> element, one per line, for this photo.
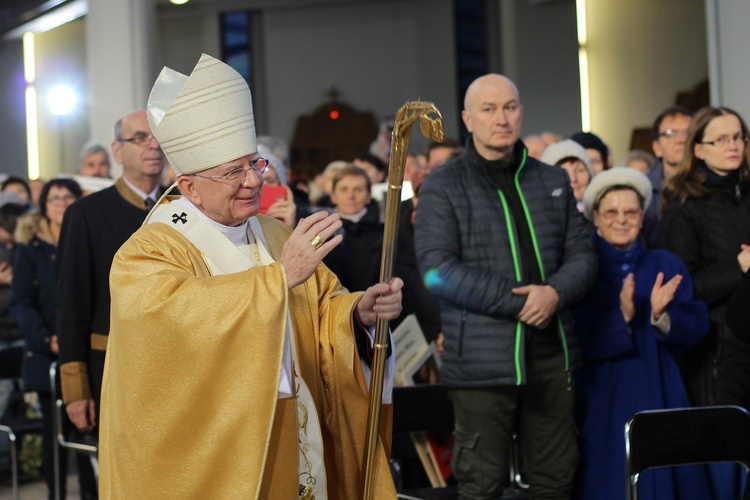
<point x="120" y="55"/>
<point x="728" y="39"/>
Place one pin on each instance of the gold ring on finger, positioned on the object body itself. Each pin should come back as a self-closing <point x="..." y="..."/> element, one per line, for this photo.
<point x="317" y="242"/>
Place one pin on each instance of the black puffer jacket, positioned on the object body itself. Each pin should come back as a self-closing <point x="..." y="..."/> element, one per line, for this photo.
<point x="707" y="234"/>
<point x="466" y="243"/>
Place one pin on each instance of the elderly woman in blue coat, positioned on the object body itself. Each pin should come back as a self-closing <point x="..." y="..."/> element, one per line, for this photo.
<point x="637" y="318"/>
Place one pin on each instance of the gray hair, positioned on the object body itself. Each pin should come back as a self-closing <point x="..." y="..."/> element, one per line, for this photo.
<point x="276" y="164"/>
<point x="278" y="148"/>
<point x="639" y="154"/>
<point x="92" y="148"/>
<point x="118" y="128"/>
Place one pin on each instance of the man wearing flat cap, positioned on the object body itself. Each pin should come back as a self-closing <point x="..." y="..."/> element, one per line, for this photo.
<point x="236" y="362"/>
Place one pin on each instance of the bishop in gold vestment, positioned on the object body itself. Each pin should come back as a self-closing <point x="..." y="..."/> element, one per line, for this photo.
<point x="232" y="368"/>
<point x="190" y="406"/>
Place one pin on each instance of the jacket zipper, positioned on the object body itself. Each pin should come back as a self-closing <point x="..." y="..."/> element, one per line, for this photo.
<point x="539" y="260"/>
<point x="517" y="269"/>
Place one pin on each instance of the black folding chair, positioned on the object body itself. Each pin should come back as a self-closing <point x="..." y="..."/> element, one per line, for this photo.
<point x="63" y="442"/>
<point x="16" y="427"/>
<point x="422" y="408"/>
<point x="685" y="436"/>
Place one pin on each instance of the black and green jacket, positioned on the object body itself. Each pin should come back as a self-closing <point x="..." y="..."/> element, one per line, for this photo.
<point x="466" y="239"/>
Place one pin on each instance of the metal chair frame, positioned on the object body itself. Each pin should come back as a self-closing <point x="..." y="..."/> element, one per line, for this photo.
<point x="17" y="428"/>
<point x="61" y="442"/>
<point x="11" y="429"/>
<point x="685" y="436"/>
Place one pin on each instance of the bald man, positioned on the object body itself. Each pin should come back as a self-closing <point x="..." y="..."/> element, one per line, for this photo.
<point x="499" y="240"/>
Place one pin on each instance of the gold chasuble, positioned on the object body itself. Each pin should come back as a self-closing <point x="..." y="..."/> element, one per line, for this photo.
<point x="190" y="406"/>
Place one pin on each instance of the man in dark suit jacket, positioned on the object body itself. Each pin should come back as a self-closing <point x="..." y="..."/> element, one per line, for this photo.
<point x="93" y="229"/>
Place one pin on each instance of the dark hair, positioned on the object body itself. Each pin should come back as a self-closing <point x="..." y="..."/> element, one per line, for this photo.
<point x="592" y="141"/>
<point x="12" y="179"/>
<point x="670" y="111"/>
<point x="9" y="214"/>
<point x="617" y="187"/>
<point x="68" y="184"/>
<point x="687" y="181"/>
<point x="354" y="171"/>
<point x="448" y="142"/>
<point x="372" y="160"/>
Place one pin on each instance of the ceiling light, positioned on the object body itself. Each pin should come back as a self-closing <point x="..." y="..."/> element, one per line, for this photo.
<point x="61" y="100"/>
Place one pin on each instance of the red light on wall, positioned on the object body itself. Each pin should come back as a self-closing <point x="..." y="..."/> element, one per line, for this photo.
<point x="333" y="115"/>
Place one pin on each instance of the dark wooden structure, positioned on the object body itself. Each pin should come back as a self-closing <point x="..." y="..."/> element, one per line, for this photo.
<point x="334" y="131"/>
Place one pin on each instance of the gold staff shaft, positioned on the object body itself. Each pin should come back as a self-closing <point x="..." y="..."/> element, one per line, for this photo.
<point x="431" y="127"/>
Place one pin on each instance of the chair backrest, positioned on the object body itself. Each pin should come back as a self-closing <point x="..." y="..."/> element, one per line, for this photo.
<point x="682" y="436"/>
<point x="422" y="408"/>
<point x="11" y="359"/>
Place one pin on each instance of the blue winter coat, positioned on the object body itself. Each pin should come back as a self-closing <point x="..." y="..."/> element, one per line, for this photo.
<point x="629" y="368"/>
<point x="33" y="302"/>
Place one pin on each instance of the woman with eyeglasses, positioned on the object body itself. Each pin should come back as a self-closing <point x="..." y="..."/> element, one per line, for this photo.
<point x="706" y="223"/>
<point x="33" y="303"/>
<point x="638" y="316"/>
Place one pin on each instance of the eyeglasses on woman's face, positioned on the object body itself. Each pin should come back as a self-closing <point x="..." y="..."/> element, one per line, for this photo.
<point x="66" y="198"/>
<point x="725" y="140"/>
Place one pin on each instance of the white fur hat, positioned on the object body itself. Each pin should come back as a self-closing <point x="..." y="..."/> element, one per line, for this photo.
<point x="616" y="176"/>
<point x="567" y="149"/>
<point x="202" y="120"/>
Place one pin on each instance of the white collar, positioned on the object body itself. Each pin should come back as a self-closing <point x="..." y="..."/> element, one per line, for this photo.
<point x="140" y="193"/>
<point x="238" y="235"/>
<point x="354" y="217"/>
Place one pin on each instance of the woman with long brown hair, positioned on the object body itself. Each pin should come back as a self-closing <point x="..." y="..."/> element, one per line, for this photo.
<point x="706" y="223"/>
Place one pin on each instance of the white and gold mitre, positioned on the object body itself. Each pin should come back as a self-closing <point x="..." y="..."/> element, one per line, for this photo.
<point x="202" y="120"/>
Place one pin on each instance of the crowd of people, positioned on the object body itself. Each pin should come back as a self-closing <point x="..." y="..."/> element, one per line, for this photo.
<point x="564" y="294"/>
<point x="646" y="264"/>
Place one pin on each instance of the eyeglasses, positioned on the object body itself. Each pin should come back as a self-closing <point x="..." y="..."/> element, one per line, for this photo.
<point x="139" y="139"/>
<point x="238" y="175"/>
<point x="68" y="198"/>
<point x="630" y="215"/>
<point x="724" y="141"/>
<point x="673" y="133"/>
